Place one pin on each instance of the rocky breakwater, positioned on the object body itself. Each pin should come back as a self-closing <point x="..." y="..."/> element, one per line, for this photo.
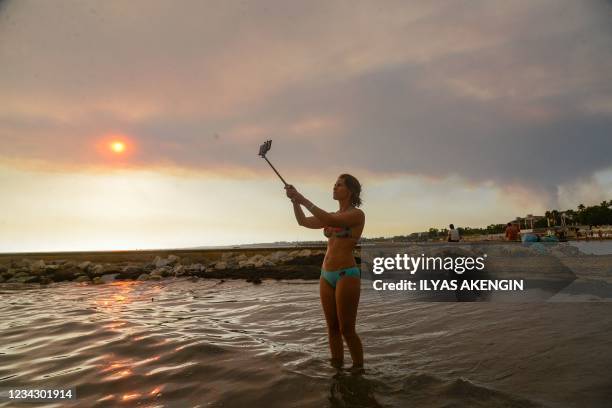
<point x="297" y="264"/>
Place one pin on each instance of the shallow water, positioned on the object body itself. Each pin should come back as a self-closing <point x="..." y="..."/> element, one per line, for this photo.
<point x="233" y="344"/>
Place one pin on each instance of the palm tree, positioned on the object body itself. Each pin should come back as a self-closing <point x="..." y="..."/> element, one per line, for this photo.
<point x="555" y="215"/>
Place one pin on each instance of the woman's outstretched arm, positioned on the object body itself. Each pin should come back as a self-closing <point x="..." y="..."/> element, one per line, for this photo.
<point x="308" y="222"/>
<point x="345" y="219"/>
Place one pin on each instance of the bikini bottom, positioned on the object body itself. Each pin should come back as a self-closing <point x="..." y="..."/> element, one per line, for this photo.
<point x="332" y="277"/>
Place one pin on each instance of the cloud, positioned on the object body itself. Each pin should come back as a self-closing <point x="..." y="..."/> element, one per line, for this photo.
<point x="516" y="94"/>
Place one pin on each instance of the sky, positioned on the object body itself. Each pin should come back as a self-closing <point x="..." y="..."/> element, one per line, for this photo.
<point x="470" y="113"/>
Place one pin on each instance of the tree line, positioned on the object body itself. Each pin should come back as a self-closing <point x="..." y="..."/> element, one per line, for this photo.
<point x="593" y="215"/>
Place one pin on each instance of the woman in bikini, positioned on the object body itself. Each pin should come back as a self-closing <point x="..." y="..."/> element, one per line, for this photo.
<point x="340" y="282"/>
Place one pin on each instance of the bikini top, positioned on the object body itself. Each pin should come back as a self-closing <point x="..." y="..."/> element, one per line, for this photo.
<point x="338" y="232"/>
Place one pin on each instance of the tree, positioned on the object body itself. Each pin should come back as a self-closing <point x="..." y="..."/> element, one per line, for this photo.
<point x="433" y="233"/>
<point x="555" y="216"/>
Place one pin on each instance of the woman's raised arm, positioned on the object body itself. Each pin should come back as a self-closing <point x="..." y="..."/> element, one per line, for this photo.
<point x="308" y="222"/>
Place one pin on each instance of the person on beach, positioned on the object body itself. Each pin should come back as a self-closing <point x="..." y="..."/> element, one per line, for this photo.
<point x="453" y="234"/>
<point x="511" y="232"/>
<point x="340" y="281"/>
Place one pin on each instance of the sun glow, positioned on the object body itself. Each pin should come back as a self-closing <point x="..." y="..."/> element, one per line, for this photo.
<point x="117" y="147"/>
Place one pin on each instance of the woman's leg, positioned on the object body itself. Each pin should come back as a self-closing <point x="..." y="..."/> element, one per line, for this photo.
<point x="328" y="301"/>
<point x="348" y="290"/>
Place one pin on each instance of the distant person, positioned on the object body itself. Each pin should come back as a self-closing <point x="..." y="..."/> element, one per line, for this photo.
<point x="453" y="234"/>
<point x="340" y="281"/>
<point x="511" y="232"/>
<point x="588" y="234"/>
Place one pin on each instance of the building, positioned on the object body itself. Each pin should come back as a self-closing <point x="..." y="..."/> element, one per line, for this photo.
<point x="528" y="221"/>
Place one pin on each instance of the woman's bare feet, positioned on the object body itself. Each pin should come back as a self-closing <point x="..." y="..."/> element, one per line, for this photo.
<point x="336" y="363"/>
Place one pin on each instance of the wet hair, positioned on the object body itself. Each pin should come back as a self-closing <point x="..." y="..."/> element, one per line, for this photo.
<point x="451" y="226"/>
<point x="508" y="225"/>
<point x="354" y="187"/>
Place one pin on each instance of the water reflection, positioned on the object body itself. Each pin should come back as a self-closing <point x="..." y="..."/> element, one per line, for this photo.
<point x="350" y="389"/>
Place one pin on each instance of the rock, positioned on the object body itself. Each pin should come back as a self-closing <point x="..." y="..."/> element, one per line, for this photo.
<point x="241" y="257"/>
<point x="163" y="271"/>
<point x="108" y="277"/>
<point x="130" y="272"/>
<point x="96" y="270"/>
<point x="3" y="269"/>
<point x="155" y="277"/>
<point x="37" y="266"/>
<point x="227" y="255"/>
<point x="82" y="278"/>
<point x="305" y="252"/>
<point x="144" y="277"/>
<point x="2" y="279"/>
<point x="305" y="260"/>
<point x="25" y="279"/>
<point x="219" y="266"/>
<point x="194" y="269"/>
<point x="50" y="269"/>
<point x="84" y="265"/>
<point x="160" y="262"/>
<point x="178" y="270"/>
<point x="21" y="271"/>
<point x="65" y="274"/>
<point x="276" y="256"/>
<point x="45" y="280"/>
<point x="68" y="264"/>
<point x="97" y="280"/>
<point x="256" y="258"/>
<point x="256" y="280"/>
<point x="148" y="267"/>
<point x="23" y="263"/>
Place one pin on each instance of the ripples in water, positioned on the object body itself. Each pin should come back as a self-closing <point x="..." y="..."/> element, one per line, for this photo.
<point x="207" y="343"/>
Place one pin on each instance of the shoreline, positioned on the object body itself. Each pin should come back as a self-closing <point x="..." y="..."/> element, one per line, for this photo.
<point x="250" y="264"/>
<point x="105" y="267"/>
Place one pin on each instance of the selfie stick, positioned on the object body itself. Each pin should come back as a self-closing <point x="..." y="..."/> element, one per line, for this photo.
<point x="263" y="149"/>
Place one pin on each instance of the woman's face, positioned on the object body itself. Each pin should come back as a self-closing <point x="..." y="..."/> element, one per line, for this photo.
<point x="341" y="191"/>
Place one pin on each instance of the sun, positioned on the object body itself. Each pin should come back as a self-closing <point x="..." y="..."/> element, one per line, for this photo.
<point x="117" y="146"/>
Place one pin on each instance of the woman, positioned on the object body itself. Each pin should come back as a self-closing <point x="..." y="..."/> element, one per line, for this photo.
<point x="340" y="282"/>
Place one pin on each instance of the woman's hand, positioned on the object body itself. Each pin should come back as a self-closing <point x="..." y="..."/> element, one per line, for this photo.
<point x="294" y="195"/>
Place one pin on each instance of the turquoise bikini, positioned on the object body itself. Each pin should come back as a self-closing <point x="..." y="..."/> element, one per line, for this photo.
<point x="332" y="277"/>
